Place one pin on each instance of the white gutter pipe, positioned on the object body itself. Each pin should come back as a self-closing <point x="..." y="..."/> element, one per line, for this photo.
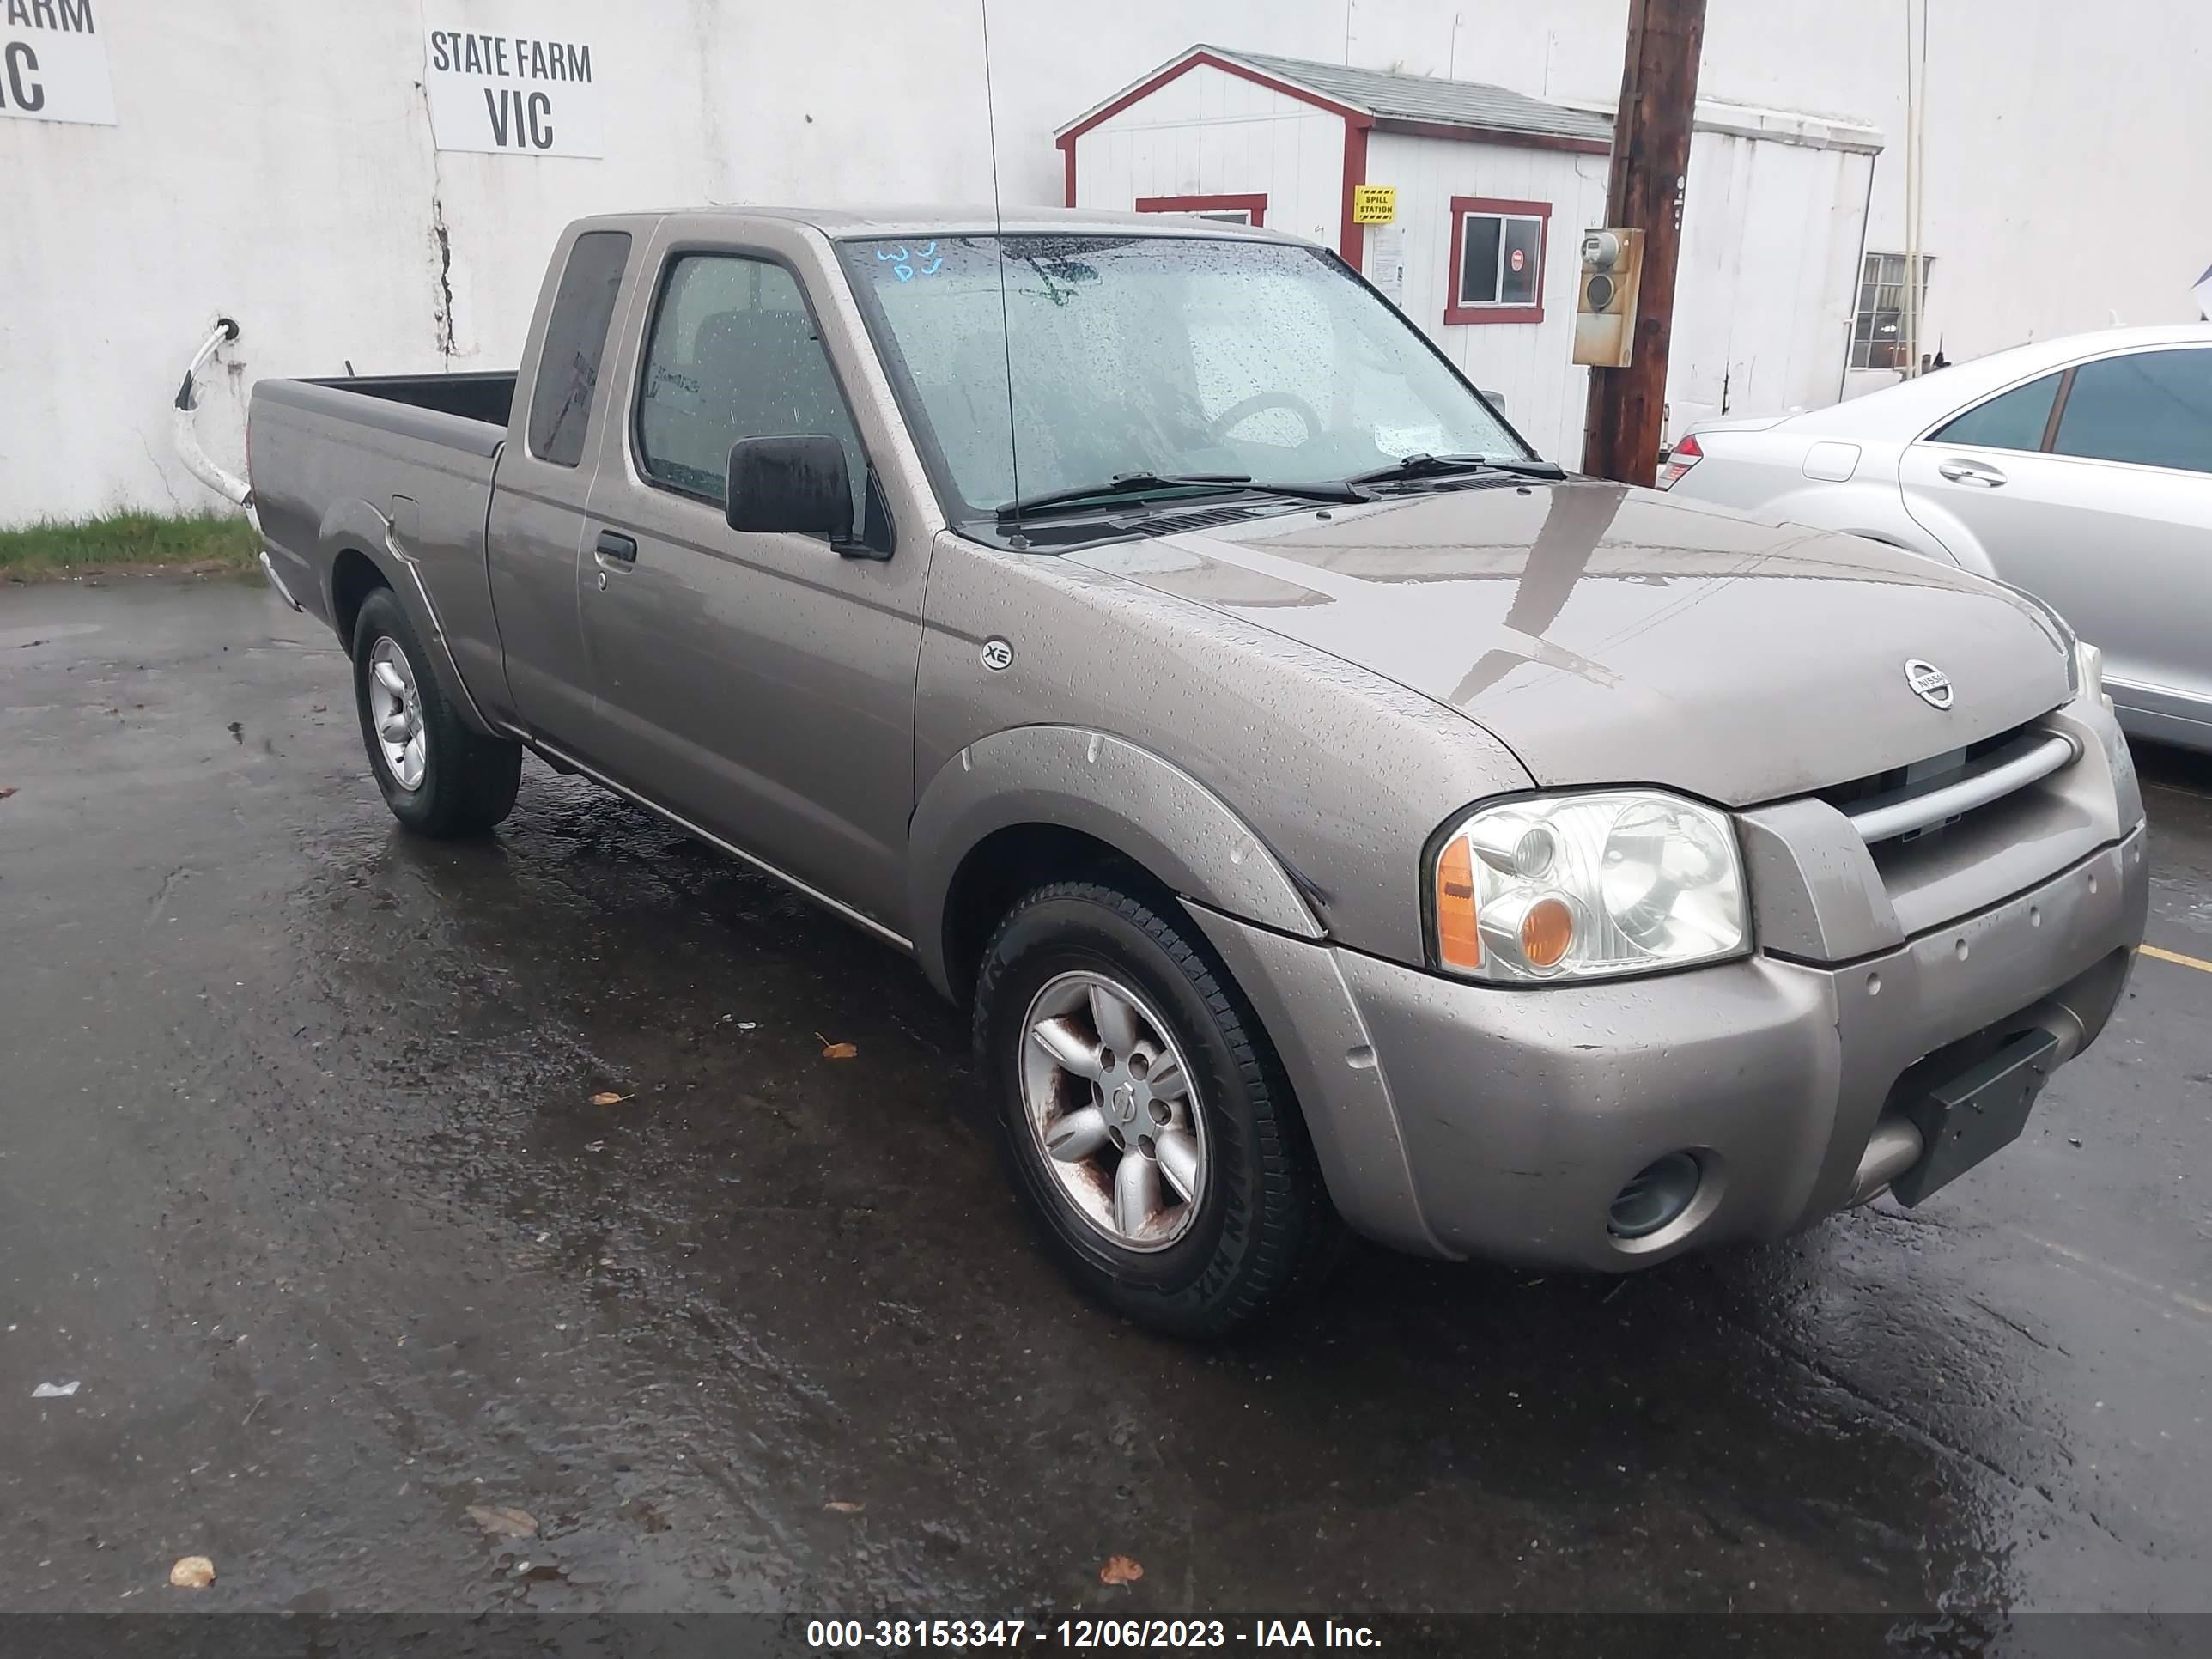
<point x="227" y="485"/>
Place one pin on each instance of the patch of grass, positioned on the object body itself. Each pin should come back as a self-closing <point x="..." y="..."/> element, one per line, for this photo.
<point x="210" y="541"/>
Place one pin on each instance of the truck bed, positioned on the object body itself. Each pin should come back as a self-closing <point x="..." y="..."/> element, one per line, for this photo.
<point x="488" y="397"/>
<point x="399" y="464"/>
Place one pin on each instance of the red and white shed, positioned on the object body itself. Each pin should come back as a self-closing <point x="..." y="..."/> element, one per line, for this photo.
<point x="1492" y="189"/>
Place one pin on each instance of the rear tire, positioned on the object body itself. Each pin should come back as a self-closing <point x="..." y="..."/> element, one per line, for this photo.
<point x="1259" y="1229"/>
<point x="439" y="777"/>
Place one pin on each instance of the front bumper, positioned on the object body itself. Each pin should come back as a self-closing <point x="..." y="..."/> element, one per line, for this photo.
<point x="1464" y="1120"/>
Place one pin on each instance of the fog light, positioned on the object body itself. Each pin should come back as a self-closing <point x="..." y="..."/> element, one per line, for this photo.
<point x="1660" y="1193"/>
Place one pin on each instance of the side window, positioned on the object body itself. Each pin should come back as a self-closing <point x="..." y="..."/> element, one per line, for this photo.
<point x="2154" y="408"/>
<point x="734" y="355"/>
<point x="2012" y="420"/>
<point x="1496" y="261"/>
<point x="576" y="342"/>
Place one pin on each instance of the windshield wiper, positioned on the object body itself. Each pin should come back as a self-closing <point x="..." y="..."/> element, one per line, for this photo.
<point x="1440" y="467"/>
<point x="1145" y="483"/>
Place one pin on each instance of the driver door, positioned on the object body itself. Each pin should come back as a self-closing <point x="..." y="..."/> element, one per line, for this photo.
<point x="760" y="686"/>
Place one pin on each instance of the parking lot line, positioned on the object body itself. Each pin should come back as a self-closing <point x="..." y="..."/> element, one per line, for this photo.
<point x="2198" y="963"/>
<point x="2150" y="1288"/>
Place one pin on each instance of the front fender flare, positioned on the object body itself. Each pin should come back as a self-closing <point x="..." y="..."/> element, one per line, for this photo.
<point x="1138" y="802"/>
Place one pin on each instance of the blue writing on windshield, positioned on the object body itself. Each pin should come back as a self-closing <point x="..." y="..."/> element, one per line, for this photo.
<point x="906" y="263"/>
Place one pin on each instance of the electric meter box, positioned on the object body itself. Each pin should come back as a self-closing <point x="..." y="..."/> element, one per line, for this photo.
<point x="1605" y="301"/>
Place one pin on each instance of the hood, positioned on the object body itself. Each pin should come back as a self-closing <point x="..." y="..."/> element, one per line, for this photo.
<point x="1612" y="635"/>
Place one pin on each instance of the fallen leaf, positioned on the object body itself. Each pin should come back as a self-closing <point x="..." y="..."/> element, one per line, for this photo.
<point x="503" y="1520"/>
<point x="611" y="1099"/>
<point x="6" y="790"/>
<point x="1120" y="1570"/>
<point x="320" y="708"/>
<point x="192" y="1572"/>
<point x="844" y="1508"/>
<point x="834" y="1050"/>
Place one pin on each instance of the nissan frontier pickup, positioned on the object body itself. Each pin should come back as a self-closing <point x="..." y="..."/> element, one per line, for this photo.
<point x="1333" y="815"/>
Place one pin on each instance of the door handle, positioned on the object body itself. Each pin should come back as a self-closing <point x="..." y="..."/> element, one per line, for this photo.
<point x="1960" y="470"/>
<point x="613" y="544"/>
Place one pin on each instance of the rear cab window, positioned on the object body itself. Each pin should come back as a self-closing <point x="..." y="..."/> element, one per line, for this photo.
<point x="575" y="345"/>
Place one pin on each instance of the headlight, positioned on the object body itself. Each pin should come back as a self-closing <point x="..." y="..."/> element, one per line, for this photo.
<point x="1586" y="886"/>
<point x="2089" y="672"/>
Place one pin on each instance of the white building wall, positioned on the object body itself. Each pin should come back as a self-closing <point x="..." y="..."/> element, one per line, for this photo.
<point x="1211" y="133"/>
<point x="1528" y="363"/>
<point x="272" y="161"/>
<point x="1768" y="275"/>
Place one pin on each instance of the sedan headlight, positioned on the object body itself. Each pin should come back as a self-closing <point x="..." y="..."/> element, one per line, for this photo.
<point x="1586" y="887"/>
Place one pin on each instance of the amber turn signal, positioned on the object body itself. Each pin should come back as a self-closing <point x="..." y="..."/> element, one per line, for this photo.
<point x="1459" y="942"/>
<point x="1546" y="931"/>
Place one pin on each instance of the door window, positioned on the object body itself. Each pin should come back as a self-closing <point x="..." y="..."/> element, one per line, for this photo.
<point x="734" y="354"/>
<point x="2154" y="408"/>
<point x="2012" y="420"/>
<point x="576" y="342"/>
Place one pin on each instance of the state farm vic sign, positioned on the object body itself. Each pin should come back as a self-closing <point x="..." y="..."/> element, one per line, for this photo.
<point x="512" y="93"/>
<point x="53" y="63"/>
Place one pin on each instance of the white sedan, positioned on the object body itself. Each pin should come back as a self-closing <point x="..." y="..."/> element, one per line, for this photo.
<point x="2079" y="469"/>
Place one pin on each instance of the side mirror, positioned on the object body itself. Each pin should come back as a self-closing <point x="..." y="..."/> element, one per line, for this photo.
<point x="799" y="483"/>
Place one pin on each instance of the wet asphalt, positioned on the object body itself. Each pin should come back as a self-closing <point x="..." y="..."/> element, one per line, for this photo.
<point x="302" y="1183"/>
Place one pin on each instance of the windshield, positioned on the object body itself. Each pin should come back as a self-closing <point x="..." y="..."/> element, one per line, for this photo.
<point x="1180" y="357"/>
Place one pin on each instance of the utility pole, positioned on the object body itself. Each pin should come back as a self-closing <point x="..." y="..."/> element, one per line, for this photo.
<point x="1651" y="175"/>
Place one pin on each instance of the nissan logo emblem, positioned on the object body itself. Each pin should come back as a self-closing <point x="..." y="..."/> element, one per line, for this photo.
<point x="1929" y="683"/>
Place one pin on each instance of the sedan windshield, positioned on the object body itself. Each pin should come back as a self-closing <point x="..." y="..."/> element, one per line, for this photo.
<point x="1150" y="359"/>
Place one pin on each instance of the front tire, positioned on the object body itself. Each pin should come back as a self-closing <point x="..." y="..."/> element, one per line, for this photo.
<point x="439" y="777"/>
<point x="1144" y="1116"/>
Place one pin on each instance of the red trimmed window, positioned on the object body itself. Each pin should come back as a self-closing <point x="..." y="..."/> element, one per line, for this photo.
<point x="1497" y="260"/>
<point x="1232" y="210"/>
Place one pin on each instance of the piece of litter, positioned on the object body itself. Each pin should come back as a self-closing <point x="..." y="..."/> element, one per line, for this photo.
<point x="192" y="1572"/>
<point x="2073" y="1141"/>
<point x="54" y="1390"/>
<point x="595" y="1145"/>
<point x="610" y="1098"/>
<point x="503" y="1520"/>
<point x="834" y="1050"/>
<point x="844" y="1508"/>
<point x="747" y="1024"/>
<point x="1120" y="1570"/>
<point x="6" y="790"/>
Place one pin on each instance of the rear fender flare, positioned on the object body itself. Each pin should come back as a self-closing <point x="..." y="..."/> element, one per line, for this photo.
<point x="355" y="526"/>
<point x="1142" y="805"/>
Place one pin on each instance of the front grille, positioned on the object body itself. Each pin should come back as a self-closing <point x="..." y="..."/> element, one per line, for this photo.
<point x="1920" y="777"/>
<point x="1910" y="804"/>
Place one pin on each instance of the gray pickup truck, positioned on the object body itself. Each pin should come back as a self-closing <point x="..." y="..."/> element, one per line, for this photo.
<point x="1332" y="814"/>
